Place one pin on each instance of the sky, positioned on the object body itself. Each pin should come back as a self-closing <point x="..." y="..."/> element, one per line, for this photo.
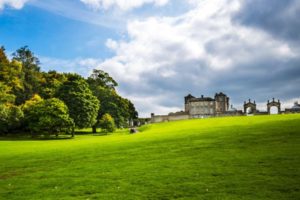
<point x="161" y="50"/>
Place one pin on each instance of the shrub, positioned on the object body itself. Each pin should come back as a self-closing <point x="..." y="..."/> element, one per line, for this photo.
<point x="4" y="113"/>
<point x="49" y="117"/>
<point x="11" y="117"/>
<point x="107" y="123"/>
<point x="15" y="117"/>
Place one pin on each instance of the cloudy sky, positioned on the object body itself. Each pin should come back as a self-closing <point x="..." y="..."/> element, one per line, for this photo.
<point x="161" y="50"/>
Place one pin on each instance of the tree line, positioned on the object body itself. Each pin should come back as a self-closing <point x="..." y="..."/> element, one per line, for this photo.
<point x="45" y="103"/>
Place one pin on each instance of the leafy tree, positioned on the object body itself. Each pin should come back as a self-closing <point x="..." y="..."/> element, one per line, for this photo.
<point x="31" y="76"/>
<point x="15" y="117"/>
<point x="109" y="104"/>
<point x="83" y="105"/>
<point x="133" y="114"/>
<point x="4" y="115"/>
<point x="101" y="78"/>
<point x="5" y="94"/>
<point x="11" y="117"/>
<point x="49" y="117"/>
<point x="10" y="73"/>
<point x="107" y="123"/>
<point x="103" y="87"/>
<point x="51" y="83"/>
<point x="29" y="103"/>
<point x="3" y="57"/>
<point x="27" y="58"/>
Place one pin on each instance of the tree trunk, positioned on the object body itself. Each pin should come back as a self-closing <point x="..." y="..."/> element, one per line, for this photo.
<point x="94" y="129"/>
<point x="73" y="132"/>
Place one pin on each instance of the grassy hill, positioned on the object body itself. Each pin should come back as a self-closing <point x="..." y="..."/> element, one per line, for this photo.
<point x="222" y="158"/>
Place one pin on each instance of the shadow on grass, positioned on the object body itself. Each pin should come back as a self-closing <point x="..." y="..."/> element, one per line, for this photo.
<point x="101" y="134"/>
<point x="36" y="138"/>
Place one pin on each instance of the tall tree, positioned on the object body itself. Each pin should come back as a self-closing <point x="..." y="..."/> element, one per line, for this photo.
<point x="101" y="78"/>
<point x="31" y="75"/>
<point x="103" y="87"/>
<point x="5" y="94"/>
<point x="52" y="81"/>
<point x="83" y="105"/>
<point x="10" y="72"/>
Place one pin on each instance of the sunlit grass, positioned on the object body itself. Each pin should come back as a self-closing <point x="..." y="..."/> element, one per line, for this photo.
<point x="221" y="158"/>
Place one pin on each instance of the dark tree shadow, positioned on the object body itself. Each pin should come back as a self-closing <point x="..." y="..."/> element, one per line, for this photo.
<point x="35" y="138"/>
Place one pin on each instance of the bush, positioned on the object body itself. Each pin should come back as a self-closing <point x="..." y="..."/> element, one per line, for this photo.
<point x="15" y="117"/>
<point x="49" y="117"/>
<point x="11" y="118"/>
<point x="4" y="113"/>
<point x="107" y="124"/>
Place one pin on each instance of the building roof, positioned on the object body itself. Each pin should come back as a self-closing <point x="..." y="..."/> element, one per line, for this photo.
<point x="296" y="106"/>
<point x="220" y="94"/>
<point x="202" y="99"/>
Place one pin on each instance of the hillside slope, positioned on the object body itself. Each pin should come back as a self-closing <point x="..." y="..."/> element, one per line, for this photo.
<point x="221" y="158"/>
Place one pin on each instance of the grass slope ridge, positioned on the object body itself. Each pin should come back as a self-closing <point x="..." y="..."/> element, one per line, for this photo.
<point x="222" y="158"/>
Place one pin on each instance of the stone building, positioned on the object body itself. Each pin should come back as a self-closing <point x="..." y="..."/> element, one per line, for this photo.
<point x="294" y="109"/>
<point x="200" y="107"/>
<point x="206" y="106"/>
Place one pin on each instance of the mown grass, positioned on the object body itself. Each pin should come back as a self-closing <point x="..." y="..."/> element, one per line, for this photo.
<point x="222" y="158"/>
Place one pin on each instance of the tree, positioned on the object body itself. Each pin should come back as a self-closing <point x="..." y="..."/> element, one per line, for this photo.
<point x="101" y="78"/>
<point x="5" y="94"/>
<point x="3" y="57"/>
<point x="83" y="105"/>
<point x="107" y="123"/>
<point x="49" y="117"/>
<point x="11" y="73"/>
<point x="15" y="117"/>
<point x="30" y="75"/>
<point x="103" y="87"/>
<point x="4" y="115"/>
<point x="29" y="103"/>
<point x="11" y="117"/>
<point x="27" y="58"/>
<point x="52" y="81"/>
<point x="133" y="114"/>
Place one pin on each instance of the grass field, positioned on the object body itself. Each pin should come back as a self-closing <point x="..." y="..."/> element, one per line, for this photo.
<point x="222" y="158"/>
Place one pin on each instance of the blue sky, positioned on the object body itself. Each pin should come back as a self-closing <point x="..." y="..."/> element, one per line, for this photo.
<point x="161" y="50"/>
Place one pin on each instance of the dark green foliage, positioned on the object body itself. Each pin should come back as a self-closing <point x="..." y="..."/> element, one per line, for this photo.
<point x="4" y="115"/>
<point x="30" y="74"/>
<point x="51" y="83"/>
<point x="11" y="73"/>
<point x="103" y="87"/>
<point x="5" y="94"/>
<point x="83" y="105"/>
<point x="22" y="83"/>
<point x="102" y="79"/>
<point x="11" y="117"/>
<point x="49" y="117"/>
<point x="121" y="109"/>
<point x="107" y="124"/>
<point x="15" y="117"/>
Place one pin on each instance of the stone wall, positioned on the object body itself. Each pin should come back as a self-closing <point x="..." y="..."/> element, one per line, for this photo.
<point x="169" y="117"/>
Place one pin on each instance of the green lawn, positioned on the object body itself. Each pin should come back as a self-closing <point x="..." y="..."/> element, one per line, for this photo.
<point x="222" y="158"/>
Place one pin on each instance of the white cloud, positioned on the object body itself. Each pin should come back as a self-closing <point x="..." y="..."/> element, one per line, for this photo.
<point x="167" y="56"/>
<point x="83" y="66"/>
<point x="16" y="4"/>
<point x="122" y="4"/>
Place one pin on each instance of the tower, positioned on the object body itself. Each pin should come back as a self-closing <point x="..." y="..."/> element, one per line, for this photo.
<point x="222" y="103"/>
<point x="186" y="102"/>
